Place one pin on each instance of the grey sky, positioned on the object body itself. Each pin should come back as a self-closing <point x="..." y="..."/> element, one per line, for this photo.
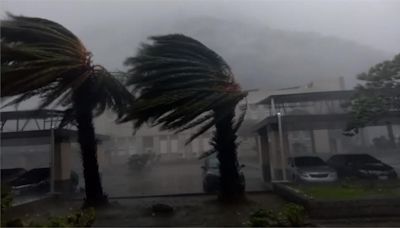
<point x="103" y="25"/>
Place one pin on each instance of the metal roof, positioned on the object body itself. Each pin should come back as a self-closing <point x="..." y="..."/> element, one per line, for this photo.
<point x="309" y="96"/>
<point x="31" y="114"/>
<point x="323" y="121"/>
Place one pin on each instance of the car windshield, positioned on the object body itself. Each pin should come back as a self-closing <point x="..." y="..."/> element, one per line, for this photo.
<point x="308" y="161"/>
<point x="362" y="159"/>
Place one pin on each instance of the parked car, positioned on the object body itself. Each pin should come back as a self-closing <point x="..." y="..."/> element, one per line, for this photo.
<point x="8" y="175"/>
<point x="211" y="175"/>
<point x="362" y="166"/>
<point x="33" y="181"/>
<point x="310" y="169"/>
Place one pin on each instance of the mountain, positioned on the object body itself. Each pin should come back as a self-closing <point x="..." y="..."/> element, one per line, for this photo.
<point x="267" y="58"/>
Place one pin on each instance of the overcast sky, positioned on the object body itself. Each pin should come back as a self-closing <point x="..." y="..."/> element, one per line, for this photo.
<point x="102" y="24"/>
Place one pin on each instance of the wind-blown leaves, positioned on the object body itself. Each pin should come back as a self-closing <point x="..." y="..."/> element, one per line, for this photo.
<point x="42" y="58"/>
<point x="39" y="55"/>
<point x="378" y="95"/>
<point x="179" y="84"/>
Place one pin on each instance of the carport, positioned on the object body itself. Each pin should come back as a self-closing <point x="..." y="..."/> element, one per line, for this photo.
<point x="313" y="123"/>
<point x="38" y="139"/>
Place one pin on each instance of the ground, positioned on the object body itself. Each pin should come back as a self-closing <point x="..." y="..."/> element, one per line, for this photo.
<point x="168" y="178"/>
<point x="190" y="209"/>
<point x="199" y="210"/>
<point x="163" y="178"/>
<point x="355" y="189"/>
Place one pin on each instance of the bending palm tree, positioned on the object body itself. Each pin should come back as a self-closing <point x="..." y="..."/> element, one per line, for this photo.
<point x="181" y="84"/>
<point x="42" y="58"/>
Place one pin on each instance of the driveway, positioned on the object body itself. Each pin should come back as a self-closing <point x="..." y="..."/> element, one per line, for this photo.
<point x="166" y="178"/>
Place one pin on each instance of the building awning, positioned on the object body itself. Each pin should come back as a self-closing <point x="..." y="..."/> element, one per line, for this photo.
<point x="320" y="96"/>
<point x="310" y="96"/>
<point x="31" y="114"/>
<point x="319" y="122"/>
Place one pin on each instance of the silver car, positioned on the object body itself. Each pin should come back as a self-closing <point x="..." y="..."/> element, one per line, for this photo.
<point x="310" y="169"/>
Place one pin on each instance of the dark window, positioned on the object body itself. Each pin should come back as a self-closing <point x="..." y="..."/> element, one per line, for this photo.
<point x="308" y="161"/>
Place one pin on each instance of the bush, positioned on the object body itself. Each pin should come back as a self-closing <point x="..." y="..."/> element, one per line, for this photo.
<point x="81" y="218"/>
<point x="291" y="215"/>
<point x="6" y="198"/>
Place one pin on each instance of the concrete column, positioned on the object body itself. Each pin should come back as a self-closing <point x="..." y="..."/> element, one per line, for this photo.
<point x="264" y="155"/>
<point x="62" y="167"/>
<point x="286" y="148"/>
<point x="314" y="150"/>
<point x="273" y="144"/>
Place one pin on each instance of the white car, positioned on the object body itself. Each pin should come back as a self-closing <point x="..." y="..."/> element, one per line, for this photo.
<point x="310" y="169"/>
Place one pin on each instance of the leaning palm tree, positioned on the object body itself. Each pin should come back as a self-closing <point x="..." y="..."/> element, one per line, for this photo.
<point x="42" y="58"/>
<point x="182" y="84"/>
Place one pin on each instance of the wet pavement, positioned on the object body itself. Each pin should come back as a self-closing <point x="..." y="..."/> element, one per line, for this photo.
<point x="167" y="178"/>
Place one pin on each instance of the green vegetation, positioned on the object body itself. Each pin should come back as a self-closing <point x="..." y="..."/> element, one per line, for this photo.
<point x="182" y="84"/>
<point x="289" y="216"/>
<point x="379" y="93"/>
<point x="6" y="198"/>
<point x="81" y="218"/>
<point x="352" y="190"/>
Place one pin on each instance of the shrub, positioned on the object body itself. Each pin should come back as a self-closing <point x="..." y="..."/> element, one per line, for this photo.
<point x="6" y="198"/>
<point x="81" y="218"/>
<point x="291" y="215"/>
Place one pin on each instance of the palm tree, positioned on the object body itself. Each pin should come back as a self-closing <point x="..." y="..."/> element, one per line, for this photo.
<point x="181" y="84"/>
<point x="42" y="58"/>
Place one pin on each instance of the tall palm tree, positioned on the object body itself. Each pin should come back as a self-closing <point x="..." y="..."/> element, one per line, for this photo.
<point x="42" y="58"/>
<point x="181" y="84"/>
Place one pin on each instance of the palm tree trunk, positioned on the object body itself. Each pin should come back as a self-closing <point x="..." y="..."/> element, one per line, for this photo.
<point x="225" y="144"/>
<point x="87" y="139"/>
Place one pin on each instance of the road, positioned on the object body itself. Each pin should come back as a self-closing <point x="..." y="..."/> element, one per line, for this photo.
<point x="165" y="178"/>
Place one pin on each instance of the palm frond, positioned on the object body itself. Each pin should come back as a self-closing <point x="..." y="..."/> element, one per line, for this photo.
<point x="110" y="93"/>
<point x="179" y="84"/>
<point x="39" y="55"/>
<point x="42" y="58"/>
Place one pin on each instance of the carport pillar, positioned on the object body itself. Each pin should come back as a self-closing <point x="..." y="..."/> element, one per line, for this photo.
<point x="274" y="154"/>
<point x="264" y="154"/>
<point x="62" y="167"/>
<point x="313" y="148"/>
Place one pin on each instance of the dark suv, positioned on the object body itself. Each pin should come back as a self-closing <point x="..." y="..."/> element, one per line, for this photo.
<point x="362" y="166"/>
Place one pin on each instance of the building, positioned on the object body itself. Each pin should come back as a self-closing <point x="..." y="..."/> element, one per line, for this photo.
<point x="313" y="123"/>
<point x="124" y="142"/>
